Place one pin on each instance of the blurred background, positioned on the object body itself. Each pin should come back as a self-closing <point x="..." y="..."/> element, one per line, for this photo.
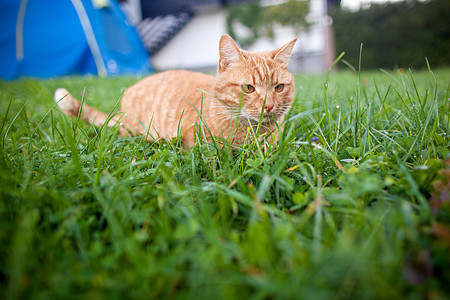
<point x="46" y="38"/>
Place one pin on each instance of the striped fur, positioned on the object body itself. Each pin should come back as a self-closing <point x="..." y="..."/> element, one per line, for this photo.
<point x="166" y="104"/>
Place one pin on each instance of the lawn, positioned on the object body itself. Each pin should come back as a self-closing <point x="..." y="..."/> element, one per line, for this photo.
<point x="353" y="203"/>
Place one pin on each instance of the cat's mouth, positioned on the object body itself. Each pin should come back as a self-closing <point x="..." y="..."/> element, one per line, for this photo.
<point x="266" y="118"/>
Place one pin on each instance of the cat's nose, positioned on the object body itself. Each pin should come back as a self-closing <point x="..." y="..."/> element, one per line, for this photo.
<point x="269" y="107"/>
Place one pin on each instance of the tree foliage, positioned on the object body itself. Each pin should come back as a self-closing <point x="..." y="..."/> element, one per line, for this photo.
<point x="259" y="20"/>
<point x="400" y="34"/>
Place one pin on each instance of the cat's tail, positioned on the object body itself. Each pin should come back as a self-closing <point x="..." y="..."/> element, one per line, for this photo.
<point x="71" y="107"/>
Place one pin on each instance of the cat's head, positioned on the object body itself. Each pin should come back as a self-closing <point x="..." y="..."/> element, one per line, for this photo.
<point x="252" y="83"/>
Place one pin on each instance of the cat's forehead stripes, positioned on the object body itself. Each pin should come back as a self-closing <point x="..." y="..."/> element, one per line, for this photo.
<point x="263" y="71"/>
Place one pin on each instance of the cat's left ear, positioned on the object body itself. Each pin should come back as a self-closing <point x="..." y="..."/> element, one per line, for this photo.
<point x="284" y="53"/>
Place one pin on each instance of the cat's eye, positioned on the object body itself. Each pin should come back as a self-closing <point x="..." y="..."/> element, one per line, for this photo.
<point x="247" y="88"/>
<point x="279" y="88"/>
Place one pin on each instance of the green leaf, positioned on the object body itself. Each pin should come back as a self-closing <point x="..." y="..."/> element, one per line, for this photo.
<point x="299" y="198"/>
<point x="254" y="162"/>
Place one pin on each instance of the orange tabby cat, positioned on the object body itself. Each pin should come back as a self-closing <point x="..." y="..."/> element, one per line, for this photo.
<point x="249" y="87"/>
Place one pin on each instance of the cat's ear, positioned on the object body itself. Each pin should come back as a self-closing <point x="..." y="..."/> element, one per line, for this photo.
<point x="284" y="53"/>
<point x="229" y="52"/>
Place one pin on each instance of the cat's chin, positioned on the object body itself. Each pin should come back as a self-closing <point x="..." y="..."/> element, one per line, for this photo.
<point x="269" y="120"/>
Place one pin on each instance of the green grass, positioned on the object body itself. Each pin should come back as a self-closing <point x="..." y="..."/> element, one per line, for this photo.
<point x="85" y="213"/>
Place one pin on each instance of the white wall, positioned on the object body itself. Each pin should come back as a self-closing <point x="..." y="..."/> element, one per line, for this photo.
<point x="196" y="46"/>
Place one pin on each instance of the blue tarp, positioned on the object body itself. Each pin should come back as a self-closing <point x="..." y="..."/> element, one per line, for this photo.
<point x="47" y="38"/>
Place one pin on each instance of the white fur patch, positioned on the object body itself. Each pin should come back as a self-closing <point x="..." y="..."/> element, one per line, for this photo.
<point x="64" y="99"/>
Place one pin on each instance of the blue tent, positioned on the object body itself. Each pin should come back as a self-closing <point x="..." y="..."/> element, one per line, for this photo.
<point x="46" y="38"/>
